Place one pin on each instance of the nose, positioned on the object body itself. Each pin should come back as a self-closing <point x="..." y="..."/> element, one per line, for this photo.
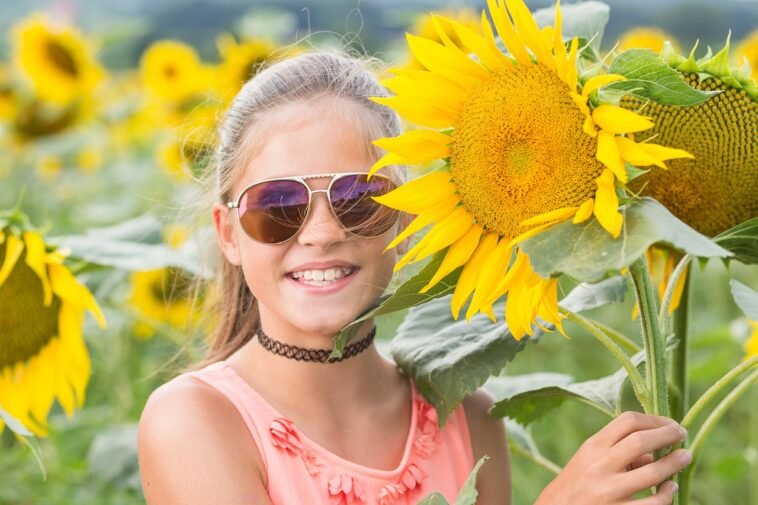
<point x="321" y="227"/>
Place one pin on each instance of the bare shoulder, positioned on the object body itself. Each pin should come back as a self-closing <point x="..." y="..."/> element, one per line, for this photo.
<point x="194" y="448"/>
<point x="488" y="437"/>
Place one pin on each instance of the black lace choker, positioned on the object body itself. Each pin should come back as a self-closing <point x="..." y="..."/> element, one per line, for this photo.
<point x="317" y="355"/>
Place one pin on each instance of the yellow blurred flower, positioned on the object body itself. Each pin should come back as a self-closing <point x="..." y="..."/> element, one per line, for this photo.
<point x="748" y="50"/>
<point x="49" y="166"/>
<point x="240" y="62"/>
<point x="89" y="159"/>
<point x="751" y="344"/>
<point x="57" y="60"/>
<point x="43" y="356"/>
<point x="172" y="71"/>
<point x="648" y="37"/>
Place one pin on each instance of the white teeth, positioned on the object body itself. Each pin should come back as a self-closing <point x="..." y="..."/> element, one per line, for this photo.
<point x="321" y="277"/>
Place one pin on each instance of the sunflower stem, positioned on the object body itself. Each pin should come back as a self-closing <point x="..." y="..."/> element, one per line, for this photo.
<point x="685" y="478"/>
<point x="537" y="458"/>
<point x="635" y="378"/>
<point x="679" y="362"/>
<point x="655" y="347"/>
<point x="622" y="340"/>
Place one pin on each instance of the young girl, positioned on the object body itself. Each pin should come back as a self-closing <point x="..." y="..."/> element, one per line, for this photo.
<point x="267" y="419"/>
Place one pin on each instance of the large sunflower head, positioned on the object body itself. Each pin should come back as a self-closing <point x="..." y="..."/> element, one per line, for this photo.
<point x="43" y="356"/>
<point x="718" y="189"/>
<point x="526" y="146"/>
<point x="172" y="71"/>
<point x="57" y="60"/>
<point x="647" y="37"/>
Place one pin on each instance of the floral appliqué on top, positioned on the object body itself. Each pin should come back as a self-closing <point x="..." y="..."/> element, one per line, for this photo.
<point x="346" y="489"/>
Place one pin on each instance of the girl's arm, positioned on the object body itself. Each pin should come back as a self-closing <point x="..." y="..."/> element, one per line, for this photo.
<point x="488" y="437"/>
<point x="190" y="451"/>
<point x="616" y="463"/>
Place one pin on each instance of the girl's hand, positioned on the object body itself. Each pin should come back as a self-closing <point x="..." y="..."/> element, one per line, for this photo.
<point x="616" y="463"/>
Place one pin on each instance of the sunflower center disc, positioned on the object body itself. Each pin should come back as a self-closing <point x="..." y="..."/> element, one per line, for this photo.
<point x="26" y="325"/>
<point x="61" y="57"/>
<point x="520" y="151"/>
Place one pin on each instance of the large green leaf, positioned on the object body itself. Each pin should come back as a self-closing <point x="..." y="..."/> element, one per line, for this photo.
<point x="746" y="298"/>
<point x="587" y="252"/>
<point x="742" y="240"/>
<point x="134" y="245"/>
<point x="450" y="359"/>
<point x="585" y="20"/>
<point x="648" y="77"/>
<point x="526" y="398"/>
<point x="466" y="496"/>
<point x="406" y="296"/>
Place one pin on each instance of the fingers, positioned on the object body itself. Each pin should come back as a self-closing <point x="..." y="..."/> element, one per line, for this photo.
<point x="643" y="460"/>
<point x="643" y="442"/>
<point x="627" y="423"/>
<point x="654" y="473"/>
<point x="664" y="496"/>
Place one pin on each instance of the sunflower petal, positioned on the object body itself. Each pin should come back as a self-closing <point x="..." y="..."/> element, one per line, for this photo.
<point x="420" y="194"/>
<point x="507" y="32"/>
<point x="608" y="154"/>
<point x="584" y="212"/>
<point x="447" y="61"/>
<point x="599" y="81"/>
<point x="606" y="204"/>
<point x="477" y="44"/>
<point x="551" y="216"/>
<point x="67" y="288"/>
<point x="417" y="145"/>
<point x="617" y="120"/>
<point x="444" y="233"/>
<point x="13" y="248"/>
<point x="434" y="116"/>
<point x="529" y="31"/>
<point x="493" y="269"/>
<point x="470" y="273"/>
<point x="430" y="215"/>
<point x="35" y="259"/>
<point x="458" y="254"/>
<point x="664" y="153"/>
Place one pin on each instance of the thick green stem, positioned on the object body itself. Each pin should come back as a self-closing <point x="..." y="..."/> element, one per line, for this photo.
<point x="655" y="346"/>
<point x="679" y="362"/>
<point x="717" y="387"/>
<point x="638" y="383"/>
<point x="729" y="400"/>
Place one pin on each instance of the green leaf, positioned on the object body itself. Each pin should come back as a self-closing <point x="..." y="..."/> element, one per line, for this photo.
<point x="467" y="495"/>
<point x="112" y="457"/>
<point x="434" y="499"/>
<point x="526" y="398"/>
<point x="648" y="77"/>
<point x="584" y="20"/>
<point x="742" y="240"/>
<point x="587" y="252"/>
<point x="746" y="298"/>
<point x="521" y="443"/>
<point x="134" y="246"/>
<point x="450" y="359"/>
<point x="406" y="296"/>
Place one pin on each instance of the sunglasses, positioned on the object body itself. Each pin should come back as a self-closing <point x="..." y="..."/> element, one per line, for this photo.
<point x="272" y="211"/>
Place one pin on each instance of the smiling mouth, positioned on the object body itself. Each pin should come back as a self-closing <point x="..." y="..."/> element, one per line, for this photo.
<point x="321" y="277"/>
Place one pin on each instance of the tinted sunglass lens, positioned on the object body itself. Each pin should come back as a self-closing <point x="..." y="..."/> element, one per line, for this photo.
<point x="356" y="210"/>
<point x="273" y="211"/>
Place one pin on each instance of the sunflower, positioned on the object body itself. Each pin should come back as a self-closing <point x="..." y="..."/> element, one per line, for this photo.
<point x="718" y="189"/>
<point x="240" y="61"/>
<point x="172" y="71"/>
<point x="43" y="356"/>
<point x="648" y="37"/>
<point x="424" y="26"/>
<point x="525" y="148"/>
<point x="161" y="296"/>
<point x="56" y="59"/>
<point x="748" y="51"/>
<point x="191" y="142"/>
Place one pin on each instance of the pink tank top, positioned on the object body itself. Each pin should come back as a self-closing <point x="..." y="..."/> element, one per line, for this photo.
<point x="300" y="471"/>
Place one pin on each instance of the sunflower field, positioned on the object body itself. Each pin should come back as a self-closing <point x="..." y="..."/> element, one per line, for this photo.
<point x="584" y="181"/>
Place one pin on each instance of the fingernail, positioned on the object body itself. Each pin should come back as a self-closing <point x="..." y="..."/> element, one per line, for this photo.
<point x="686" y="457"/>
<point x="674" y="486"/>
<point x="683" y="432"/>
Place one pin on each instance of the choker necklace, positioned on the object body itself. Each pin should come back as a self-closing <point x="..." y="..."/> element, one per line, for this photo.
<point x="317" y="355"/>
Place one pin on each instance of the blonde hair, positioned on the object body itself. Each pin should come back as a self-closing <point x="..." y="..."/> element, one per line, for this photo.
<point x="230" y="306"/>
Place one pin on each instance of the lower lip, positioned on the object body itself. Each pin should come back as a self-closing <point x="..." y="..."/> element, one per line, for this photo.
<point x="333" y="287"/>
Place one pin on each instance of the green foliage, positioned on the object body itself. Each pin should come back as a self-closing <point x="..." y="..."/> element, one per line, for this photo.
<point x="587" y="252"/>
<point x="742" y="241"/>
<point x="467" y="494"/>
<point x="746" y="298"/>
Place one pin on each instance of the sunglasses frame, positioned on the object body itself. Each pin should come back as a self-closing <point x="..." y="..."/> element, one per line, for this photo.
<point x="235" y="204"/>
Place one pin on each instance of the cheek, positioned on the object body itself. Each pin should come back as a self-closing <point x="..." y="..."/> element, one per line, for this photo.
<point x="260" y="265"/>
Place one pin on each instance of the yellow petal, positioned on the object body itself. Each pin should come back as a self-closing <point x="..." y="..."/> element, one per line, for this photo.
<point x="13" y="249"/>
<point x="514" y="272"/>
<point x="617" y="120"/>
<point x="571" y="72"/>
<point x="606" y="204"/>
<point x="530" y="233"/>
<point x="470" y="274"/>
<point x="489" y="38"/>
<point x="608" y="154"/>
<point x="599" y="81"/>
<point x="417" y="82"/>
<point x="450" y="62"/>
<point x="35" y="259"/>
<point x="494" y="268"/>
<point x="559" y="46"/>
<point x="663" y="152"/>
<point x="476" y="43"/>
<point x="434" y="116"/>
<point x="417" y="145"/>
<point x="411" y="88"/>
<point x="551" y="216"/>
<point x="67" y="288"/>
<point x="419" y="194"/>
<point x="530" y="32"/>
<point x="458" y="254"/>
<point x="584" y="212"/>
<point x="447" y="231"/>
<point x="430" y="215"/>
<point x="507" y="32"/>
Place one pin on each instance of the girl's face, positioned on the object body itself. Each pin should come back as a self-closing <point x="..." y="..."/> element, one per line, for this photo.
<point x="301" y="140"/>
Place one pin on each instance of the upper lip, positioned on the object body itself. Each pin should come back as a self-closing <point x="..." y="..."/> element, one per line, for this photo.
<point x="321" y="265"/>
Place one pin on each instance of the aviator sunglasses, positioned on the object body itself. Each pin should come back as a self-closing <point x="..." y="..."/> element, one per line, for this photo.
<point x="272" y="211"/>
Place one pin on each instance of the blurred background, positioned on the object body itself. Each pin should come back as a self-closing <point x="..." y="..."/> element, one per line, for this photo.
<point x="107" y="115"/>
